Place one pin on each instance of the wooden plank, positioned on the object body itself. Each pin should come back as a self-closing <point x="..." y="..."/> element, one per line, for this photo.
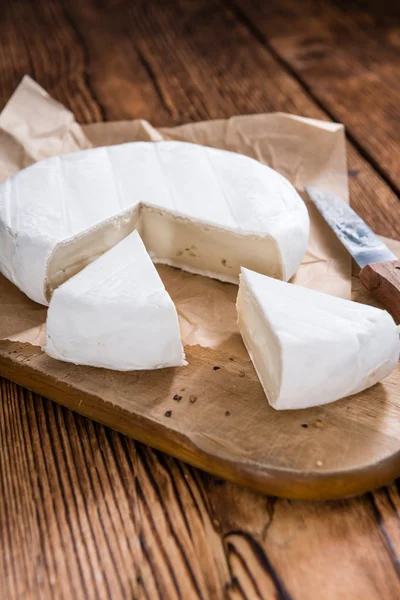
<point x="326" y="452"/>
<point x="76" y="71"/>
<point x="50" y="50"/>
<point x="99" y="513"/>
<point x="347" y="56"/>
<point x="31" y="470"/>
<point x="87" y="513"/>
<point x="345" y="550"/>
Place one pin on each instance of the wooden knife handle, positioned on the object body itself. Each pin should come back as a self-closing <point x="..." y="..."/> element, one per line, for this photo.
<point x="382" y="280"/>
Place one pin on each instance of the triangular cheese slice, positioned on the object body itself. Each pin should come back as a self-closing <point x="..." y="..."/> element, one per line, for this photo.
<point x="115" y="314"/>
<point x="310" y="348"/>
<point x="204" y="210"/>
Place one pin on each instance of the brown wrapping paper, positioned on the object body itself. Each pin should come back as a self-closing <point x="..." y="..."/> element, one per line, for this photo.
<point x="33" y="126"/>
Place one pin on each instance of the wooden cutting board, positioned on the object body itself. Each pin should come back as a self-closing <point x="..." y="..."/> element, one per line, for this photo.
<point x="214" y="415"/>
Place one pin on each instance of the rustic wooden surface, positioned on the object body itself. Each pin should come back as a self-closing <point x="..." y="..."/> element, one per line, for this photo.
<point x="213" y="413"/>
<point x="86" y="512"/>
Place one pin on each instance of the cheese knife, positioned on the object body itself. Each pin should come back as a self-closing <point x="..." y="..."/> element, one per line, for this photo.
<point x="380" y="268"/>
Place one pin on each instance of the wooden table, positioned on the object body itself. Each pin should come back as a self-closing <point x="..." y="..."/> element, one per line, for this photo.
<point x="88" y="513"/>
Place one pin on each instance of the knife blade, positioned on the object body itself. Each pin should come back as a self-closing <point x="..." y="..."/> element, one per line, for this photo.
<point x="362" y="243"/>
<point x="380" y="268"/>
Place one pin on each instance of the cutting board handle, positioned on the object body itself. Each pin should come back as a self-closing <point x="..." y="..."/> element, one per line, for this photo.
<point x="382" y="280"/>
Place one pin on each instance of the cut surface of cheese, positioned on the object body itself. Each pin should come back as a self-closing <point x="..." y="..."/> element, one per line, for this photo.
<point x="116" y="314"/>
<point x="310" y="348"/>
<point x="201" y="209"/>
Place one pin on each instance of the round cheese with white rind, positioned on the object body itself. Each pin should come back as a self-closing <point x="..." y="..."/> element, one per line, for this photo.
<point x="201" y="209"/>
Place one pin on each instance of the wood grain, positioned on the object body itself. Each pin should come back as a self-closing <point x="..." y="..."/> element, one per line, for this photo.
<point x="60" y="535"/>
<point x="290" y="454"/>
<point x="346" y="55"/>
<point x="382" y="280"/>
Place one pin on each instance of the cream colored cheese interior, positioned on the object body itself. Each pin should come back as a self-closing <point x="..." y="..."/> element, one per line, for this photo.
<point x="72" y="256"/>
<point x="261" y="343"/>
<point x="204" y="249"/>
<point x="171" y="240"/>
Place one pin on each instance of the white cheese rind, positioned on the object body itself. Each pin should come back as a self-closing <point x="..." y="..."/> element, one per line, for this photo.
<point x="310" y="348"/>
<point x="116" y="314"/>
<point x="49" y="209"/>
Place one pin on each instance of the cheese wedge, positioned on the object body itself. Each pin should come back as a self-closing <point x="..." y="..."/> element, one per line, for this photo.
<point x="310" y="348"/>
<point x="201" y="209"/>
<point x="115" y="314"/>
